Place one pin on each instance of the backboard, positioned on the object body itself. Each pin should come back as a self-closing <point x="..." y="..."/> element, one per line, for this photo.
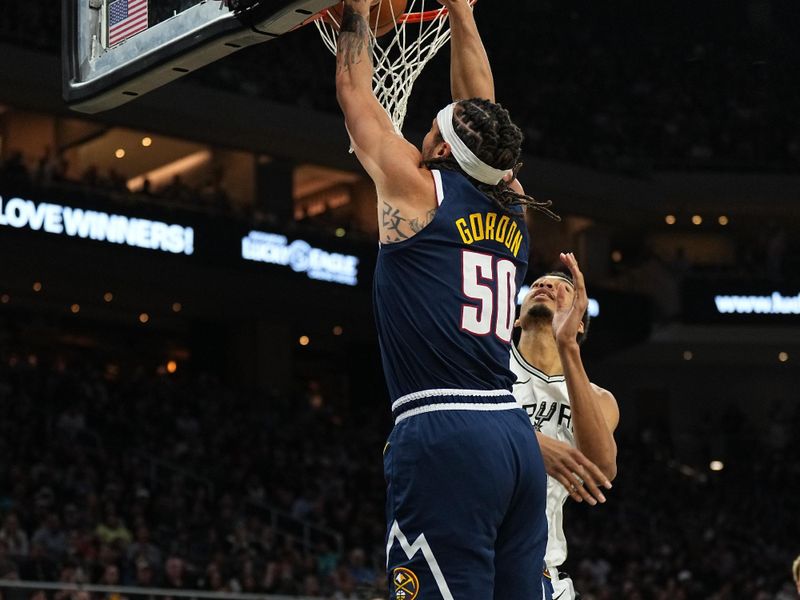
<point x="116" y="50"/>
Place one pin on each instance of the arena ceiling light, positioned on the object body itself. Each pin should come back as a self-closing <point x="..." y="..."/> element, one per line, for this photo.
<point x="100" y="149"/>
<point x="164" y="174"/>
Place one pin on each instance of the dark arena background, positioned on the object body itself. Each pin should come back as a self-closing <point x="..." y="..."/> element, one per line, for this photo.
<point x="190" y="386"/>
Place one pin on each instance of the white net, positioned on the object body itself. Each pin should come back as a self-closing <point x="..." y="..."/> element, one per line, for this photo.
<point x="400" y="55"/>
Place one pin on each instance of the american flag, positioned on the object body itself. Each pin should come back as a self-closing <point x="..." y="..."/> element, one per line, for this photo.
<point x="126" y="18"/>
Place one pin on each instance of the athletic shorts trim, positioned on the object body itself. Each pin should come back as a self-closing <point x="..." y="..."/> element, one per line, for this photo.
<point x="446" y="392"/>
<point x="455" y="406"/>
<point x="451" y="399"/>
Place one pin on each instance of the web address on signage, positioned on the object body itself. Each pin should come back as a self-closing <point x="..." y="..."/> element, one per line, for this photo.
<point x="776" y="304"/>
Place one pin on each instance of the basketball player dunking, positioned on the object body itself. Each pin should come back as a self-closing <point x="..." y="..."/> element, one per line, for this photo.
<point x="574" y="419"/>
<point x="466" y="483"/>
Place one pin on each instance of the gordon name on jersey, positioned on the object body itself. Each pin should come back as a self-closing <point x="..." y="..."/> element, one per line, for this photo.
<point x="489" y="226"/>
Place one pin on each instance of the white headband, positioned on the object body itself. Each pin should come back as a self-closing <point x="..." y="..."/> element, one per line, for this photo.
<point x="466" y="159"/>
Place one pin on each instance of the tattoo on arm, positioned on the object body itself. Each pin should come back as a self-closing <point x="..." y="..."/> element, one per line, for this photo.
<point x="417" y="224"/>
<point x="395" y="227"/>
<point x="354" y="38"/>
<point x="393" y="223"/>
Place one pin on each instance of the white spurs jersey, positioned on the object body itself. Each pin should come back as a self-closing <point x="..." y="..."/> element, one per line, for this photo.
<point x="546" y="401"/>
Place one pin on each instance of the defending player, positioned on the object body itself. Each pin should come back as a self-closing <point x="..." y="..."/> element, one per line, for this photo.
<point x="574" y="419"/>
<point x="466" y="485"/>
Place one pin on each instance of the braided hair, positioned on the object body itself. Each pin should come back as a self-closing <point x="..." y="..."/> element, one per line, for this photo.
<point x="486" y="129"/>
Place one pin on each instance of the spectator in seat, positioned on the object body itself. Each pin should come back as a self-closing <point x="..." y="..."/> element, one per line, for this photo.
<point x="14" y="536"/>
<point x="357" y="565"/>
<point x="174" y="573"/>
<point x="144" y="574"/>
<point x="38" y="566"/>
<point x="111" y="578"/>
<point x="112" y="530"/>
<point x="51" y="537"/>
<point x="142" y="548"/>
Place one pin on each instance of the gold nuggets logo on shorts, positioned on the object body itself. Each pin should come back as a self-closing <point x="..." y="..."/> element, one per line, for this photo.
<point x="406" y="584"/>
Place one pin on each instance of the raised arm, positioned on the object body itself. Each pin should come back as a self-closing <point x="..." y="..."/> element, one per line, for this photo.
<point x="366" y="121"/>
<point x="470" y="72"/>
<point x="393" y="163"/>
<point x="595" y="413"/>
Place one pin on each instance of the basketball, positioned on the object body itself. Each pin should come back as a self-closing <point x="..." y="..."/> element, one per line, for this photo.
<point x="381" y="17"/>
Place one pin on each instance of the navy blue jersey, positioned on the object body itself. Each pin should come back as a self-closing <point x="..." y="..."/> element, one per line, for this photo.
<point x="445" y="299"/>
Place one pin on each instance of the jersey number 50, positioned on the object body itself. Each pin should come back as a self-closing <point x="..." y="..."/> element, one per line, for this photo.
<point x="493" y="284"/>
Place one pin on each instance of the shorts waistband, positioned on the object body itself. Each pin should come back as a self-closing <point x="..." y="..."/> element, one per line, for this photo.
<point x="451" y="399"/>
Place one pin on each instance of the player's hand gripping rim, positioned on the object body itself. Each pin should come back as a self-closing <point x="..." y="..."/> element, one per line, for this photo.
<point x="570" y="467"/>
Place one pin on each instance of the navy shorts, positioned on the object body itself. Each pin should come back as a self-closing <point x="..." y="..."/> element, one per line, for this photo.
<point x="465" y="506"/>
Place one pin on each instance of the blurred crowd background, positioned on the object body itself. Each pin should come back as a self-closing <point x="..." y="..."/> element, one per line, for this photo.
<point x="174" y="481"/>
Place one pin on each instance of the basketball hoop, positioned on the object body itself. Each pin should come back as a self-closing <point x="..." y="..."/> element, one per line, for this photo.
<point x="399" y="55"/>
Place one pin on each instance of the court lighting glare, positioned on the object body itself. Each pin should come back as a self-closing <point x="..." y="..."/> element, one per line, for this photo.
<point x="697" y="219"/>
<point x="783" y="356"/>
<point x="723" y="220"/>
<point x="147" y="141"/>
<point x="120" y="153"/>
<point x="716" y="465"/>
<point x="670" y="219"/>
<point x="172" y="366"/>
<point x="304" y="340"/>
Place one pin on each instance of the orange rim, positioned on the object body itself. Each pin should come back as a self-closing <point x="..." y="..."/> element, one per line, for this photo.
<point x="421" y="17"/>
<point x="405" y="18"/>
<point x="428" y="15"/>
